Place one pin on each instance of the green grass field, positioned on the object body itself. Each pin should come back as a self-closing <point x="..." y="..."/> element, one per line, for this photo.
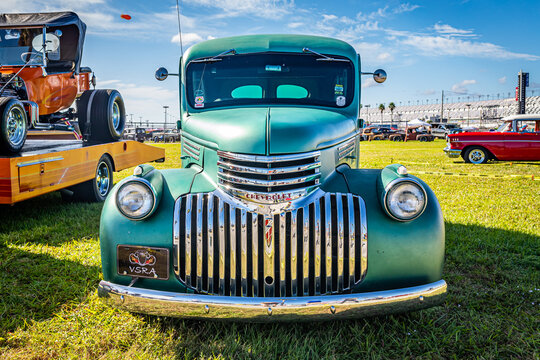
<point x="50" y="268"/>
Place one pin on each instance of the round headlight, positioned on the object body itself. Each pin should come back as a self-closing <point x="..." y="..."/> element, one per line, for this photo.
<point x="406" y="200"/>
<point x="135" y="199"/>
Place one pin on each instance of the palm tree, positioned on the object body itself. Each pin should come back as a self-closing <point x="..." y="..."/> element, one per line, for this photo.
<point x="381" y="109"/>
<point x="392" y="106"/>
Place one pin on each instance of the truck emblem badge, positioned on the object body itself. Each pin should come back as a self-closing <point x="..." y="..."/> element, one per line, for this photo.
<point x="142" y="258"/>
<point x="269" y="228"/>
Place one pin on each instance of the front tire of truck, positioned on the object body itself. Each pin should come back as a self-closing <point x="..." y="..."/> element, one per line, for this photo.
<point x="96" y="189"/>
<point x="13" y="126"/>
<point x="102" y="115"/>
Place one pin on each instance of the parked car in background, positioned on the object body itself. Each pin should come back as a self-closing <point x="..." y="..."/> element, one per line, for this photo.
<point x="518" y="138"/>
<point x="442" y="130"/>
<point x="382" y="133"/>
<point x="414" y="132"/>
<point x="270" y="218"/>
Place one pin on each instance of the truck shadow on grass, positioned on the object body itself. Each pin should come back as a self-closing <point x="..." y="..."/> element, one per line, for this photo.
<point x="36" y="279"/>
<point x="48" y="220"/>
<point x="489" y="310"/>
<point x="35" y="286"/>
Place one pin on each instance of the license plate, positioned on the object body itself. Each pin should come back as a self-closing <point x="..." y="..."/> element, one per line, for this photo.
<point x="143" y="261"/>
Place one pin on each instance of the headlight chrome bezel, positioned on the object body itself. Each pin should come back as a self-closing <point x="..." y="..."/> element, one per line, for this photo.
<point x="398" y="182"/>
<point x="149" y="186"/>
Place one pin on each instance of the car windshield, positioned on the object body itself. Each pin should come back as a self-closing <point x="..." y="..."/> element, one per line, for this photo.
<point x="505" y="127"/>
<point x="270" y="78"/>
<point x="16" y="42"/>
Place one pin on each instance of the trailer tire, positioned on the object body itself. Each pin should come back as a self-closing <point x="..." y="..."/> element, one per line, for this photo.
<point x="13" y="125"/>
<point x="96" y="189"/>
<point x="105" y="112"/>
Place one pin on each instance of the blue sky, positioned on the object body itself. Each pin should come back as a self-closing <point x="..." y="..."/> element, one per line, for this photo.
<point x="465" y="47"/>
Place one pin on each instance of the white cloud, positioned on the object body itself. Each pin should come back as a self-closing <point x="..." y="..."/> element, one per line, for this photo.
<point x="447" y="30"/>
<point x="258" y="8"/>
<point x="405" y="7"/>
<point x="461" y="88"/>
<point x="187" y="38"/>
<point x="105" y="83"/>
<point x="369" y="82"/>
<point x="443" y="46"/>
<point x="386" y="11"/>
<point x="502" y="80"/>
<point x="295" y="25"/>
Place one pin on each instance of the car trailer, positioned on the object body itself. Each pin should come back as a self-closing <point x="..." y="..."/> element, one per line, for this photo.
<point x="82" y="170"/>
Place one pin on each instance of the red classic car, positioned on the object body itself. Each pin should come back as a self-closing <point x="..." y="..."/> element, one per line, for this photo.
<point x="518" y="138"/>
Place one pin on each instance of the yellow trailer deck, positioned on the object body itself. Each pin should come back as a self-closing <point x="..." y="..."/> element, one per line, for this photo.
<point x="49" y="165"/>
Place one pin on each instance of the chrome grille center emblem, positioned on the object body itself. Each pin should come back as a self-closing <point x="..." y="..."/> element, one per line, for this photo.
<point x="268" y="229"/>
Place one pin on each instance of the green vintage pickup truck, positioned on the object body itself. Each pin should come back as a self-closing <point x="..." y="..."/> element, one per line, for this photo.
<point x="270" y="217"/>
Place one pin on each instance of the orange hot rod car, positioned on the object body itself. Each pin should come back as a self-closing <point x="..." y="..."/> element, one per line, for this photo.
<point x="41" y="77"/>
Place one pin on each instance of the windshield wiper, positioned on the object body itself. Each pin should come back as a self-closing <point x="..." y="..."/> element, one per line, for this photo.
<point x="216" y="57"/>
<point x="322" y="56"/>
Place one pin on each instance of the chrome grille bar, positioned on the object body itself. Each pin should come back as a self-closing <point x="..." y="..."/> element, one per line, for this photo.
<point x="224" y="248"/>
<point x="268" y="179"/>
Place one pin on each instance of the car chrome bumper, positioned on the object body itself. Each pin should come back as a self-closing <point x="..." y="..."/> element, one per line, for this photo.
<point x="257" y="309"/>
<point x="452" y="153"/>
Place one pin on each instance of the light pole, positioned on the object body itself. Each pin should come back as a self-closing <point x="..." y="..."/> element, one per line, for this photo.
<point x="165" y="124"/>
<point x="468" y="113"/>
<point x="131" y="123"/>
<point x="367" y="106"/>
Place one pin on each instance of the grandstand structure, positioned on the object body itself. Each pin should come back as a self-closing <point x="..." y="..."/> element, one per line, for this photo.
<point x="480" y="114"/>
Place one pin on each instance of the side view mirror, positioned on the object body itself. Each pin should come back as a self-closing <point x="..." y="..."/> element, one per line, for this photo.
<point x="379" y="76"/>
<point x="161" y="74"/>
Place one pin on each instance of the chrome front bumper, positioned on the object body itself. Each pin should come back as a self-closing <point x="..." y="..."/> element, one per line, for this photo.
<point x="259" y="309"/>
<point x="452" y="153"/>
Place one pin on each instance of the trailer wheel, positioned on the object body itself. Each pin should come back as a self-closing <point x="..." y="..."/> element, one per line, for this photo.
<point x="96" y="189"/>
<point x="13" y="125"/>
<point x="105" y="112"/>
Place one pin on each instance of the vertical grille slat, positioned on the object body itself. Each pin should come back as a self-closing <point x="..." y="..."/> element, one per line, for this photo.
<point x="282" y="255"/>
<point x="305" y="249"/>
<point x="232" y="244"/>
<point x="268" y="246"/>
<point x="340" y="245"/>
<point x="352" y="239"/>
<point x="199" y="246"/>
<point x="221" y="225"/>
<point x="188" y="241"/>
<point x="328" y="241"/>
<point x="223" y="248"/>
<point x="294" y="252"/>
<point x="243" y="251"/>
<point x="317" y="244"/>
<point x="255" y="253"/>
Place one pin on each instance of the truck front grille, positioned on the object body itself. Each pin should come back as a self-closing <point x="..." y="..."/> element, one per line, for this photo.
<point x="269" y="179"/>
<point x="224" y="248"/>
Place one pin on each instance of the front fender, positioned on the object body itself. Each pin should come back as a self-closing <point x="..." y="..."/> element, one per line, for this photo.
<point x="154" y="231"/>
<point x="399" y="253"/>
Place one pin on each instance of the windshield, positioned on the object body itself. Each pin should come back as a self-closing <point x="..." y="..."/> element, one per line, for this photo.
<point x="270" y="78"/>
<point x="16" y="42"/>
<point x="505" y="127"/>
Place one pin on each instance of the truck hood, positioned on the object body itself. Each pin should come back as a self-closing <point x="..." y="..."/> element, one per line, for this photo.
<point x="269" y="130"/>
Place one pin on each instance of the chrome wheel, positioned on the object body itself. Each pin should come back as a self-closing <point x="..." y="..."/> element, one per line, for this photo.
<point x="477" y="156"/>
<point x="103" y="178"/>
<point x="16" y="126"/>
<point x="116" y="116"/>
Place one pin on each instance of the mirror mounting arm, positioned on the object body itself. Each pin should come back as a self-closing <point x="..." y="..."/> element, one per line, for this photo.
<point x="44" y="47"/>
<point x="379" y="75"/>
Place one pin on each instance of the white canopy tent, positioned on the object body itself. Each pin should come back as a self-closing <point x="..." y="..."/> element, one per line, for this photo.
<point x="417" y="123"/>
